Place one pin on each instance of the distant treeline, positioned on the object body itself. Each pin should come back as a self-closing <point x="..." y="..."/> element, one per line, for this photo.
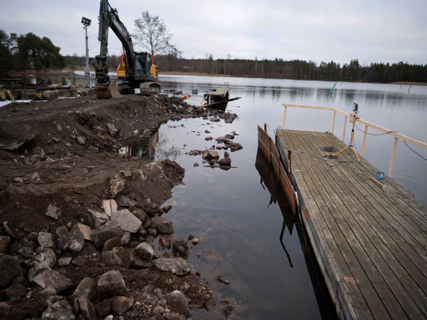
<point x="28" y="51"/>
<point x="299" y="69"/>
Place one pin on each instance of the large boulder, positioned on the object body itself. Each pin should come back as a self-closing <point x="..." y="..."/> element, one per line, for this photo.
<point x="111" y="284"/>
<point x="177" y="302"/>
<point x="145" y="251"/>
<point x="109" y="230"/>
<point x="176" y="266"/>
<point x="127" y="221"/>
<point x="73" y="241"/>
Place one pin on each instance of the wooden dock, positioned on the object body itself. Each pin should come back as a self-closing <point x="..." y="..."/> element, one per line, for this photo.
<point x="371" y="248"/>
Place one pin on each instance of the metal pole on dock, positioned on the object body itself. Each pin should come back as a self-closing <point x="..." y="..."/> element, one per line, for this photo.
<point x="86" y="22"/>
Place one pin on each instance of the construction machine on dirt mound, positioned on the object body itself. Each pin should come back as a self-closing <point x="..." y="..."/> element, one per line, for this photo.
<point x="137" y="69"/>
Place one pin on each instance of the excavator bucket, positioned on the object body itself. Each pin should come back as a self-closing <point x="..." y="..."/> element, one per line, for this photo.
<point x="108" y="92"/>
<point x="149" y="88"/>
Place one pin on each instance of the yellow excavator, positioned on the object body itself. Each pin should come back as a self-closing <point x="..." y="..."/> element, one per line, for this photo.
<point x="137" y="69"/>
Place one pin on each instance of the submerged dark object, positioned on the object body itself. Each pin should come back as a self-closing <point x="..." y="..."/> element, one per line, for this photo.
<point x="217" y="98"/>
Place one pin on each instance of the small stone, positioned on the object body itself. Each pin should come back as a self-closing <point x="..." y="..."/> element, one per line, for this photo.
<point x="80" y="261"/>
<point x="64" y="262"/>
<point x="61" y="231"/>
<point x="196" y="164"/>
<point x="19" y="180"/>
<point x="110" y="206"/>
<point x="73" y="242"/>
<point x="52" y="278"/>
<point x="145" y="251"/>
<point x="166" y="209"/>
<point x="45" y="239"/>
<point x="85" y="230"/>
<point x="121" y="304"/>
<point x="60" y="310"/>
<point x="99" y="218"/>
<point x="53" y="211"/>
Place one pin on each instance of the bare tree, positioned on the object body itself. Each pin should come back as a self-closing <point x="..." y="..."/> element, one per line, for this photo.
<point x="152" y="34"/>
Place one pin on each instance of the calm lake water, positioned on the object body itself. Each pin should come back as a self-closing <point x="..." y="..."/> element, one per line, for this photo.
<point x="249" y="236"/>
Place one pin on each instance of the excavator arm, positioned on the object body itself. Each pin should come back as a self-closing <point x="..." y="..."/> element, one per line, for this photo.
<point x="109" y="18"/>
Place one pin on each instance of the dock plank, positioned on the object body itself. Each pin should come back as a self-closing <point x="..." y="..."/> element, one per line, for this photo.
<point x="375" y="245"/>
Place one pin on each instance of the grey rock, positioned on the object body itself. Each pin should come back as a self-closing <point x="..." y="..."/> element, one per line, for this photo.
<point x="104" y="307"/>
<point x="87" y="308"/>
<point x="110" y="206"/>
<point x="60" y="310"/>
<point x="4" y="242"/>
<point x="53" y="211"/>
<point x="210" y="154"/>
<point x="177" y="266"/>
<point x="123" y="201"/>
<point x="8" y="230"/>
<point x="112" y="129"/>
<point x="107" y="258"/>
<point x="225" y="161"/>
<point x="166" y="209"/>
<point x="145" y="251"/>
<point x="45" y="239"/>
<point x="214" y="119"/>
<point x="73" y="241"/>
<point x="125" y="239"/>
<point x="162" y="225"/>
<point x="122" y="257"/>
<point x="111" y="284"/>
<point x="99" y="218"/>
<point x="64" y="262"/>
<point x="112" y="243"/>
<point x="44" y="260"/>
<point x="61" y="231"/>
<point x="121" y="304"/>
<point x="116" y="185"/>
<point x="52" y="278"/>
<point x="49" y="291"/>
<point x="85" y="230"/>
<point x="26" y="252"/>
<point x="81" y="140"/>
<point x="86" y="288"/>
<point x="181" y="246"/>
<point x="128" y="222"/>
<point x="177" y="302"/>
<point x="109" y="230"/>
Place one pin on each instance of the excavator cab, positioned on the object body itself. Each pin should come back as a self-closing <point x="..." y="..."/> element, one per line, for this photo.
<point x="145" y="70"/>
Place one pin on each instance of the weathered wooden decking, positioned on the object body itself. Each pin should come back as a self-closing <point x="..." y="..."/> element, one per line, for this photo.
<point x="372" y="249"/>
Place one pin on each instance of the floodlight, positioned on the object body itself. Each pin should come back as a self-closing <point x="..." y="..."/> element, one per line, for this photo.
<point x="86" y="21"/>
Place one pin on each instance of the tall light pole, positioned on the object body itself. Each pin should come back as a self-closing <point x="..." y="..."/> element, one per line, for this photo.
<point x="86" y="22"/>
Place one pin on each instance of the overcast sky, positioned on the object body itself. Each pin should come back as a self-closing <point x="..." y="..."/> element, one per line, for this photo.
<point x="369" y="30"/>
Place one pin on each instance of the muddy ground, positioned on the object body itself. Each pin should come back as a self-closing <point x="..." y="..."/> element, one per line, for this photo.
<point x="61" y="179"/>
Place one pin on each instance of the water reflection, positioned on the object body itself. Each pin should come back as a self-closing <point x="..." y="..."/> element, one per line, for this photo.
<point x="269" y="179"/>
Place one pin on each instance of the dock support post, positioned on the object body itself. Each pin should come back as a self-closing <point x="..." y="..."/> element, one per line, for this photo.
<point x="290" y="166"/>
<point x="393" y="155"/>
<point x="284" y="118"/>
<point x="333" y="123"/>
<point x="343" y="133"/>
<point x="364" y="140"/>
